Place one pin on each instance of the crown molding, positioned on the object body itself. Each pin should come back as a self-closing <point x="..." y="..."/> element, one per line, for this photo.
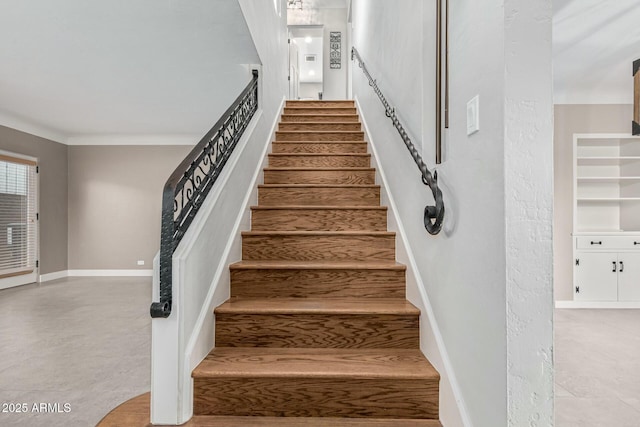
<point x="14" y="122"/>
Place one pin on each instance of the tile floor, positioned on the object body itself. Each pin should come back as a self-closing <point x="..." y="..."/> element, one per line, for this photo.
<point x="81" y="341"/>
<point x="86" y="342"/>
<point x="597" y="365"/>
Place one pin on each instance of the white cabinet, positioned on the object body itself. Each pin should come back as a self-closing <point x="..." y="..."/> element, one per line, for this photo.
<point x="629" y="276"/>
<point x="606" y="221"/>
<point x="596" y="276"/>
<point x="607" y="276"/>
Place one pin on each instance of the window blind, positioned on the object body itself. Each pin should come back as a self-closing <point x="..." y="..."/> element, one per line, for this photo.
<point x="18" y="222"/>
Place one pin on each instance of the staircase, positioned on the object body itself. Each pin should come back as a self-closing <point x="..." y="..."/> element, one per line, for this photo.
<point x="317" y="331"/>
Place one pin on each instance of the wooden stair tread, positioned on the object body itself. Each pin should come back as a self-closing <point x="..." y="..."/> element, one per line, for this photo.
<point x="349" y="306"/>
<point x="319" y="185"/>
<point x="320" y="154"/>
<point x="316" y="363"/>
<point x="305" y="141"/>
<point x="293" y="168"/>
<point x="320" y="115"/>
<point x="311" y="207"/>
<point x="320" y="131"/>
<point x="325" y="123"/>
<point x="317" y="233"/>
<point x="319" y="265"/>
<point x="230" y="421"/>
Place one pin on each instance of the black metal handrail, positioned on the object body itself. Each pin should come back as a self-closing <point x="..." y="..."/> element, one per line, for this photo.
<point x="433" y="215"/>
<point x="188" y="185"/>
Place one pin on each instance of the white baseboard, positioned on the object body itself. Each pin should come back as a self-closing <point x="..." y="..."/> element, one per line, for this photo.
<point x="598" y="304"/>
<point x="110" y="273"/>
<point x="451" y="390"/>
<point x="54" y="276"/>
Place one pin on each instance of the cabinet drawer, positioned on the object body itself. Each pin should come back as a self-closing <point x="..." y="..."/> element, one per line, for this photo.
<point x="608" y="242"/>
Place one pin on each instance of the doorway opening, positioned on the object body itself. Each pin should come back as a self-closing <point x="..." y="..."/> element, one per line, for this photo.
<point x="306" y="62"/>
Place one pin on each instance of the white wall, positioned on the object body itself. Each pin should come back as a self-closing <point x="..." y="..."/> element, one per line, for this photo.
<point x="474" y="283"/>
<point x="334" y="80"/>
<point x="310" y="90"/>
<point x="181" y="341"/>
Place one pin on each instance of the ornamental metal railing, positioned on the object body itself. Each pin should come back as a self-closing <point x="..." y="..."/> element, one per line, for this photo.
<point x="188" y="186"/>
<point x="433" y="215"/>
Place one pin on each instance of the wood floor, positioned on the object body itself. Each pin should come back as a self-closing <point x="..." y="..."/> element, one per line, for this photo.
<point x="317" y="331"/>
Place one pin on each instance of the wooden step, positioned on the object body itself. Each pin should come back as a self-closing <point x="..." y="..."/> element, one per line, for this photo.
<point x="135" y="413"/>
<point x="317" y="323"/>
<point x="318" y="245"/>
<point x="318" y="135"/>
<point x="289" y="279"/>
<point x="319" y="218"/>
<point x="319" y="147"/>
<point x="320" y="126"/>
<point x="231" y="421"/>
<point x="319" y="118"/>
<point x="314" y="194"/>
<point x="319" y="110"/>
<point x="319" y="176"/>
<point x="322" y="104"/>
<point x="291" y="382"/>
<point x="314" y="160"/>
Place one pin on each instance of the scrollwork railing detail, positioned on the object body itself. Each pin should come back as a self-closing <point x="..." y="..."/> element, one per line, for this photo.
<point x="188" y="186"/>
<point x="433" y="215"/>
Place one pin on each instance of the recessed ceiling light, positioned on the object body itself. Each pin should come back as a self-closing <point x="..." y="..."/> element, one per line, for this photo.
<point x="312" y="73"/>
<point x="308" y="39"/>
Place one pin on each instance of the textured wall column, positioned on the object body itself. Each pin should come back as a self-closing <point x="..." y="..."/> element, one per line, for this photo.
<point x="528" y="161"/>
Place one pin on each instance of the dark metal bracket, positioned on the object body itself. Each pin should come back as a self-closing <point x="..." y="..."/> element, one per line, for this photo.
<point x="433" y="215"/>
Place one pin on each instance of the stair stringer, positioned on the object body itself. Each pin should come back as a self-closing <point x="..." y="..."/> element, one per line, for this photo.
<point x="453" y="410"/>
<point x="182" y="341"/>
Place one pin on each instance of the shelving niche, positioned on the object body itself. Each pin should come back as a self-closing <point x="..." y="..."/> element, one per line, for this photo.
<point x="606" y="223"/>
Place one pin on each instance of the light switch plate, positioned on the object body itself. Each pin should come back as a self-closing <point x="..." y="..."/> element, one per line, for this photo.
<point x="473" y="115"/>
<point x="140" y="262"/>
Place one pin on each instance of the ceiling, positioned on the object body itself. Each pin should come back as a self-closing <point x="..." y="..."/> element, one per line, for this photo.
<point x="74" y="68"/>
<point x="594" y="45"/>
<point x="147" y="67"/>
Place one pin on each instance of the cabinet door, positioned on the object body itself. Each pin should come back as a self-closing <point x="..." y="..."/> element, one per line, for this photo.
<point x="628" y="276"/>
<point x="596" y="276"/>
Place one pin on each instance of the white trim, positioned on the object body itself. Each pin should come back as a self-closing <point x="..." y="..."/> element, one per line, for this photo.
<point x="412" y="268"/>
<point x="598" y="304"/>
<point x="604" y="136"/>
<point x="20" y="280"/>
<point x="54" y="276"/>
<point x="133" y="140"/>
<point x="23" y="125"/>
<point x="110" y="273"/>
<point x="19" y="156"/>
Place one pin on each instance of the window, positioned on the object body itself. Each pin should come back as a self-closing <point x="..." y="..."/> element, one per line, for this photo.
<point x="18" y="221"/>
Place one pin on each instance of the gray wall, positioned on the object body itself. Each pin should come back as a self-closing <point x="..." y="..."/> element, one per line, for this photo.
<point x="570" y="119"/>
<point x="115" y="195"/>
<point x="52" y="159"/>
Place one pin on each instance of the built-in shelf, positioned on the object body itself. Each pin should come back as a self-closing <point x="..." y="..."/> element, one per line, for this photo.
<point x="608" y="178"/>
<point x="608" y="199"/>
<point x="608" y="160"/>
